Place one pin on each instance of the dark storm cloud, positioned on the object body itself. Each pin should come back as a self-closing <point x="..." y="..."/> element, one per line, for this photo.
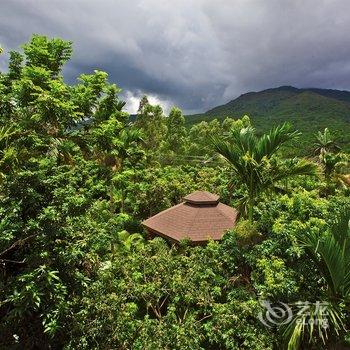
<point x="195" y="54"/>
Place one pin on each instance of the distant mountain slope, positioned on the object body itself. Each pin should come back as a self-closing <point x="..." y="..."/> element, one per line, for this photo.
<point x="308" y="110"/>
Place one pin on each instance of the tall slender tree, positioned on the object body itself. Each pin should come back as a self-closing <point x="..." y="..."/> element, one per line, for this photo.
<point x="152" y="122"/>
<point x="176" y="130"/>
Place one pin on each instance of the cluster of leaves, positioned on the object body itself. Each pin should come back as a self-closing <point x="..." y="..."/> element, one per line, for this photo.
<point x="163" y="298"/>
<point x="77" y="177"/>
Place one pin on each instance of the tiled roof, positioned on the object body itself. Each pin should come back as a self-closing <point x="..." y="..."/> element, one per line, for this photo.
<point x="199" y="218"/>
<point x="202" y="197"/>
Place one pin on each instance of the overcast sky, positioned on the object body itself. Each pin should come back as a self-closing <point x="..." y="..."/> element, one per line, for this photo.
<point x="195" y="54"/>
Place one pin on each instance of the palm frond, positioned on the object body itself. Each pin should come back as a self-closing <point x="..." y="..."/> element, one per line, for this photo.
<point x="325" y="143"/>
<point x="269" y="143"/>
<point x="130" y="135"/>
<point x="230" y="152"/>
<point x="294" y="167"/>
<point x="341" y="229"/>
<point x="316" y="323"/>
<point x="330" y="252"/>
<point x="252" y="160"/>
<point x="244" y="139"/>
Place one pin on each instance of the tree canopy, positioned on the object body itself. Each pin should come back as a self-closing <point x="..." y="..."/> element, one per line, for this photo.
<point x="77" y="177"/>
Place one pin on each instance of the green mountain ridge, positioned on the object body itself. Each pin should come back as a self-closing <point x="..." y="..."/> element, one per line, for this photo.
<point x="309" y="110"/>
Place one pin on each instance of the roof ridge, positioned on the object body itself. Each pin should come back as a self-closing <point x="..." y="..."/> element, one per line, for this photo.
<point x="223" y="213"/>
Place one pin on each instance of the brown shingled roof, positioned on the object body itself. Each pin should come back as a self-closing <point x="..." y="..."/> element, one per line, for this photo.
<point x="199" y="218"/>
<point x="202" y="197"/>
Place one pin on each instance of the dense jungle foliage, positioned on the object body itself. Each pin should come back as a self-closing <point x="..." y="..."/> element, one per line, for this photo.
<point x="78" y="177"/>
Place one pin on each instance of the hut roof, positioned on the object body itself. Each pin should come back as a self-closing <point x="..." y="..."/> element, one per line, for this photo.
<point x="200" y="217"/>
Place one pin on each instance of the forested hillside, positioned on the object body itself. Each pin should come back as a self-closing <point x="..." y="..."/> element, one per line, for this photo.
<point x="78" y="176"/>
<point x="308" y="109"/>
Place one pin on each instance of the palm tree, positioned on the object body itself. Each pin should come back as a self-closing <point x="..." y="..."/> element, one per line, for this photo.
<point x="334" y="163"/>
<point x="331" y="256"/>
<point x="325" y="143"/>
<point x="254" y="163"/>
<point x="335" y="167"/>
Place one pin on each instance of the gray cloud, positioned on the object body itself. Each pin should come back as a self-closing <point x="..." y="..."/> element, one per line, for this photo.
<point x="195" y="54"/>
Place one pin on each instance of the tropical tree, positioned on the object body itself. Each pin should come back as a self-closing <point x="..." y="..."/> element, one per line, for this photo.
<point x="198" y="136"/>
<point x="64" y="143"/>
<point x="8" y="153"/>
<point x="254" y="163"/>
<point x="335" y="164"/>
<point x="325" y="143"/>
<point x="230" y="123"/>
<point x="151" y="121"/>
<point x="127" y="148"/>
<point x="330" y="254"/>
<point x="176" y="130"/>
